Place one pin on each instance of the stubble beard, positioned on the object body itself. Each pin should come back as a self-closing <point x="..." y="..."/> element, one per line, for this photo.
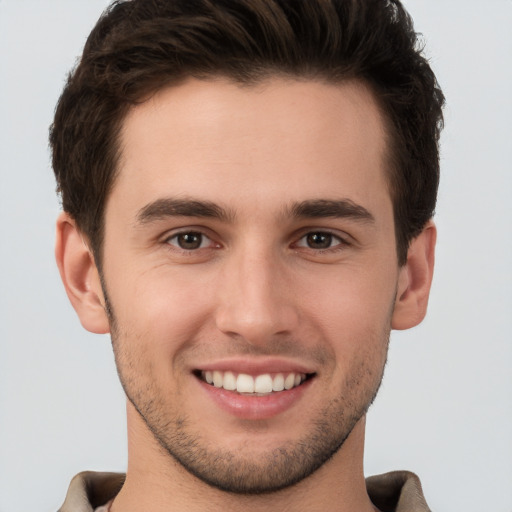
<point x="247" y="473"/>
<point x="262" y="473"/>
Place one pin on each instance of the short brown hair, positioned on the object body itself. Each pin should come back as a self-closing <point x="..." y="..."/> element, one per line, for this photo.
<point x="140" y="46"/>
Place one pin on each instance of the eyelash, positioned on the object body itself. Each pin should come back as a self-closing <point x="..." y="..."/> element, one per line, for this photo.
<point x="198" y="233"/>
<point x="340" y="242"/>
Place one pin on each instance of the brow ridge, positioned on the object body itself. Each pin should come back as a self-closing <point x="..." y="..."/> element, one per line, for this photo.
<point x="181" y="207"/>
<point x="309" y="209"/>
<point x="335" y="208"/>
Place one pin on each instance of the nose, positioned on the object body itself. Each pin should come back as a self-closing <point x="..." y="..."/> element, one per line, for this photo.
<point x="255" y="298"/>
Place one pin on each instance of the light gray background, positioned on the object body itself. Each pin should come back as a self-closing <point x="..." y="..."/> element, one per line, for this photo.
<point x="445" y="408"/>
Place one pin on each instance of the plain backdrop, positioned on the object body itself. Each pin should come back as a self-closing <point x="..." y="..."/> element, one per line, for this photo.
<point x="445" y="407"/>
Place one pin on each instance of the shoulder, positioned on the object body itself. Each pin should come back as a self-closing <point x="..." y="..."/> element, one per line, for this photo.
<point x="398" y="491"/>
<point x="89" y="490"/>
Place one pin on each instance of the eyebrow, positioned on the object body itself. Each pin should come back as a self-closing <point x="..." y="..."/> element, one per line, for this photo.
<point x="163" y="208"/>
<point x="174" y="207"/>
<point x="337" y="208"/>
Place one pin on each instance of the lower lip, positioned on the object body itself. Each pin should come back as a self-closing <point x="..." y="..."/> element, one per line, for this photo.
<point x="255" y="407"/>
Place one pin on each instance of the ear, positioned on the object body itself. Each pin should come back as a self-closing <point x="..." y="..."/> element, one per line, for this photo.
<point x="80" y="276"/>
<point x="414" y="280"/>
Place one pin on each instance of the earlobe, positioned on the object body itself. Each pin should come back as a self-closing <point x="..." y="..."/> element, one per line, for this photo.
<point x="414" y="280"/>
<point x="80" y="276"/>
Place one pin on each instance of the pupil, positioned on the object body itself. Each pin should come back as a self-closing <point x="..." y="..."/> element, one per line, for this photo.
<point x="190" y="240"/>
<point x="319" y="240"/>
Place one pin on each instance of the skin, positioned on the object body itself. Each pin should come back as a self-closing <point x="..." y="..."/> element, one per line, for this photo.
<point x="275" y="280"/>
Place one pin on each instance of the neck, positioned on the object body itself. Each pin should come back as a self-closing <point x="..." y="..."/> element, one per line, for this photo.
<point x="156" y="482"/>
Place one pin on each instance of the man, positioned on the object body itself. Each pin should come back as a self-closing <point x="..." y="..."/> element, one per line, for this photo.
<point x="248" y="189"/>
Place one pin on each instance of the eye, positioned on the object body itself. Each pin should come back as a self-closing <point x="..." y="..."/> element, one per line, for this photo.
<point x="319" y="240"/>
<point x="189" y="240"/>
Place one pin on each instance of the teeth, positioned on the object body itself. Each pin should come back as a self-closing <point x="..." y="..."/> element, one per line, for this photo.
<point x="229" y="381"/>
<point x="289" y="382"/>
<point x="245" y="384"/>
<point x="261" y="384"/>
<point x="217" y="379"/>
<point x="278" y="383"/>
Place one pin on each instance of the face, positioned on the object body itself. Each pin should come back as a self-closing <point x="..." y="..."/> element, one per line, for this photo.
<point x="251" y="273"/>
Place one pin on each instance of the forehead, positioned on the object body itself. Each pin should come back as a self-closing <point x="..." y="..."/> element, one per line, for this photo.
<point x="281" y="140"/>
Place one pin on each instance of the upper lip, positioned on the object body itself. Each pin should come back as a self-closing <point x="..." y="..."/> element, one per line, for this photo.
<point x="256" y="365"/>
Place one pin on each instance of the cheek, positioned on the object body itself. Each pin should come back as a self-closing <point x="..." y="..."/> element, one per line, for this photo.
<point x="161" y="308"/>
<point x="351" y="298"/>
<point x="353" y="313"/>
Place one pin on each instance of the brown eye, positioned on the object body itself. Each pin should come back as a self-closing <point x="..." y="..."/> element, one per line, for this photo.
<point x="189" y="240"/>
<point x="319" y="240"/>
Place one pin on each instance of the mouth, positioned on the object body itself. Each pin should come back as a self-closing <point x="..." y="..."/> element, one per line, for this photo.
<point x="263" y="384"/>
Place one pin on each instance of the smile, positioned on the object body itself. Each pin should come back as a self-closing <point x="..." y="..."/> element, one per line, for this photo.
<point x="257" y="385"/>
